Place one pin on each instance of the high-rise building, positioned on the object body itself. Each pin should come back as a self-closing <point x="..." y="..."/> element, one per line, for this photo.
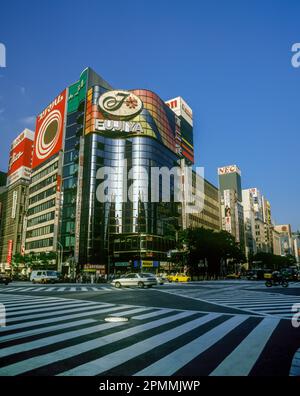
<point x="232" y="212"/>
<point x="12" y="232"/>
<point x="249" y="221"/>
<point x="286" y="240"/>
<point x="263" y="221"/>
<point x="296" y="240"/>
<point x="90" y="127"/>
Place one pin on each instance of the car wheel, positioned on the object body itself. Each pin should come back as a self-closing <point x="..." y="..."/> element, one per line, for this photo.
<point x="176" y="280"/>
<point x="33" y="281"/>
<point x="118" y="285"/>
<point x="6" y="283"/>
<point x="141" y="285"/>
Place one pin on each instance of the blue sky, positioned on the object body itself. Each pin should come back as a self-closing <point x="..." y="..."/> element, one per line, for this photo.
<point x="231" y="61"/>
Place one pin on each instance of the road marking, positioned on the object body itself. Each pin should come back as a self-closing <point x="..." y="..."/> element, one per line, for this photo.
<point x="28" y="308"/>
<point x="245" y="355"/>
<point x="110" y="308"/>
<point x="56" y="327"/>
<point x="179" y="358"/>
<point x="60" y="309"/>
<point x="42" y="342"/>
<point x="153" y="314"/>
<point x="111" y="360"/>
<point x="43" y="360"/>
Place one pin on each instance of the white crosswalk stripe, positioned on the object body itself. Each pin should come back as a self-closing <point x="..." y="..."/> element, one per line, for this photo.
<point x="252" y="301"/>
<point x="78" y="341"/>
<point x="65" y="289"/>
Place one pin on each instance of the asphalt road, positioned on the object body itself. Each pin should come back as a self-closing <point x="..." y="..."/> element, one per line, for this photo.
<point x="203" y="328"/>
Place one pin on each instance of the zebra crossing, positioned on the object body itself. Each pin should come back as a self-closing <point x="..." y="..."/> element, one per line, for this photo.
<point x="65" y="337"/>
<point x="249" y="300"/>
<point x="64" y="289"/>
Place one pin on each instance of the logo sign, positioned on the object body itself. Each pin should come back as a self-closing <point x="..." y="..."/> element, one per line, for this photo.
<point x="20" y="153"/>
<point x="118" y="126"/>
<point x="228" y="169"/>
<point x="121" y="104"/>
<point x="49" y="130"/>
<point x="9" y="251"/>
<point x="14" y="205"/>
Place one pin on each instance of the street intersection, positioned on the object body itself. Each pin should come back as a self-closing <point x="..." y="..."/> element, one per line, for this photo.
<point x="199" y="328"/>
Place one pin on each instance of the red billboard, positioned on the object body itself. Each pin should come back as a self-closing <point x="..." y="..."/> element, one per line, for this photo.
<point x="20" y="157"/>
<point x="49" y="130"/>
<point x="9" y="251"/>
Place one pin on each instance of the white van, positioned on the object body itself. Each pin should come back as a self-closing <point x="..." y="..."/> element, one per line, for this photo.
<point x="43" y="276"/>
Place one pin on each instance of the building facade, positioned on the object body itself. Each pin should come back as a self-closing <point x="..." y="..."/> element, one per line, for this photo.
<point x="232" y="212"/>
<point x="249" y="221"/>
<point x="286" y="240"/>
<point x="89" y="127"/>
<point x="14" y="199"/>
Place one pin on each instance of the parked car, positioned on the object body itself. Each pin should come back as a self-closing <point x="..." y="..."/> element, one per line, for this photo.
<point x="256" y="274"/>
<point x="179" y="278"/>
<point x="140" y="280"/>
<point x="5" y="278"/>
<point x="44" y="276"/>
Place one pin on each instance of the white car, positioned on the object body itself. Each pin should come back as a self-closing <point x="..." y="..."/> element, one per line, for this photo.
<point x="141" y="280"/>
<point x="43" y="276"/>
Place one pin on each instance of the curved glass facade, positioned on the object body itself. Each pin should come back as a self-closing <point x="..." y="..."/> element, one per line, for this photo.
<point x="135" y="227"/>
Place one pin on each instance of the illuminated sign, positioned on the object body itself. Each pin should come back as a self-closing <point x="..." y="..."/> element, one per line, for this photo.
<point x="121" y="104"/>
<point x="228" y="169"/>
<point x="9" y="251"/>
<point x="14" y="205"/>
<point x="118" y="126"/>
<point x="20" y="157"/>
<point x="181" y="108"/>
<point x="49" y="130"/>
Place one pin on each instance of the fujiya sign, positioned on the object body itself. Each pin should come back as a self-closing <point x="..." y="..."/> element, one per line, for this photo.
<point x="118" y="126"/>
<point x="121" y="104"/>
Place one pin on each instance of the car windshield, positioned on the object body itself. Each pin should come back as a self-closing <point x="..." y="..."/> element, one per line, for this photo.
<point x="51" y="273"/>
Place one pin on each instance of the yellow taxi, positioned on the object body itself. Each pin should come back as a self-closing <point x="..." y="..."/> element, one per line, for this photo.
<point x="178" y="278"/>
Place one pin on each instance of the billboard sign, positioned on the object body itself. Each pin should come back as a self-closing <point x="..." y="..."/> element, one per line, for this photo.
<point x="49" y="130"/>
<point x="228" y="169"/>
<point x="181" y="108"/>
<point x="227" y="211"/>
<point x="20" y="157"/>
<point x="9" y="251"/>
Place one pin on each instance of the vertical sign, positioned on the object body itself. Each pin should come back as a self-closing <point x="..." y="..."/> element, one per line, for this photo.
<point x="9" y="251"/>
<point x="14" y="205"/>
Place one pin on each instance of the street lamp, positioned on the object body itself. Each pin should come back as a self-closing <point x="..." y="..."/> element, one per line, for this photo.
<point x="59" y="266"/>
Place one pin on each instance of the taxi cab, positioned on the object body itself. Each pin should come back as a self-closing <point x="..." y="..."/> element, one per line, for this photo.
<point x="178" y="278"/>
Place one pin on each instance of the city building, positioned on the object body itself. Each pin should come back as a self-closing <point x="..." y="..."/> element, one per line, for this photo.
<point x="286" y="240"/>
<point x="276" y="242"/>
<point x="262" y="219"/>
<point x="249" y="222"/>
<point x="13" y="199"/>
<point x="296" y="240"/>
<point x="207" y="214"/>
<point x="232" y="212"/>
<point x="88" y="127"/>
